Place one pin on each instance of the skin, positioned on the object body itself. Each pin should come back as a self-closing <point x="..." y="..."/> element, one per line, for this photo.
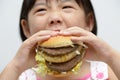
<point x="51" y="18"/>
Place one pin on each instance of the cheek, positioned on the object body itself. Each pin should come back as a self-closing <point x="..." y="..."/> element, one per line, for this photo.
<point x="76" y="20"/>
<point x="81" y="21"/>
<point x="36" y="25"/>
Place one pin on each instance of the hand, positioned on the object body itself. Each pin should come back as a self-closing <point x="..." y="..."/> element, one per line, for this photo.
<point x="25" y="57"/>
<point x="97" y="48"/>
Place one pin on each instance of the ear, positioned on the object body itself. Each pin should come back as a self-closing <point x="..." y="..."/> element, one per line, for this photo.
<point x="25" y="28"/>
<point x="90" y="21"/>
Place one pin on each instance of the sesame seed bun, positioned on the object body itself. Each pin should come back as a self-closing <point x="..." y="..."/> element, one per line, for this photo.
<point x="57" y="41"/>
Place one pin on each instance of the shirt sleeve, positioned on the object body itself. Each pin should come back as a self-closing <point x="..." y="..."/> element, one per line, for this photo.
<point x="28" y="75"/>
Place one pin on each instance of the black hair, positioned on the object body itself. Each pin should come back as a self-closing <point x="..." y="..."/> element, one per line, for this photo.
<point x="28" y="4"/>
<point x="26" y="7"/>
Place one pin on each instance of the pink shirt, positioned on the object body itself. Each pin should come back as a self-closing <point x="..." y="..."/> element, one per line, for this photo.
<point x="99" y="71"/>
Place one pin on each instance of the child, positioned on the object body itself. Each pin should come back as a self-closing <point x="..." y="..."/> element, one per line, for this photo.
<point x="42" y="19"/>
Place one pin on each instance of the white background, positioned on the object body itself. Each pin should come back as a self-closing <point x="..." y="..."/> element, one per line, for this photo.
<point x="107" y="13"/>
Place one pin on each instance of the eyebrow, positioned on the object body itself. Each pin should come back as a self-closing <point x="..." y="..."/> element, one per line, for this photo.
<point x="39" y="3"/>
<point x="66" y="0"/>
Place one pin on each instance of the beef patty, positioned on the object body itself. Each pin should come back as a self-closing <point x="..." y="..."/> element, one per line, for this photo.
<point x="58" y="51"/>
<point x="66" y="66"/>
<point x="63" y="63"/>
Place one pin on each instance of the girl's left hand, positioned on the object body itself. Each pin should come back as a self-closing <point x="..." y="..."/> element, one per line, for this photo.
<point x="97" y="48"/>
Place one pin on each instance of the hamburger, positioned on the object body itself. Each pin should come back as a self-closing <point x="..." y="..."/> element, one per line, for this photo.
<point x="59" y="55"/>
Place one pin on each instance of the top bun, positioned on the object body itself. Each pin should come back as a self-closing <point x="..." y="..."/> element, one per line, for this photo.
<point x="57" y="41"/>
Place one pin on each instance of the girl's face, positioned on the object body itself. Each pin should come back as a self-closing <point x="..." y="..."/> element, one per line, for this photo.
<point x="55" y="15"/>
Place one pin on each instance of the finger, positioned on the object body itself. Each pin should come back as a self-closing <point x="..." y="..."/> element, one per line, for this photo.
<point x="46" y="32"/>
<point x="85" y="39"/>
<point x="92" y="41"/>
<point x="32" y="41"/>
<point x="79" y="41"/>
<point x="74" y="31"/>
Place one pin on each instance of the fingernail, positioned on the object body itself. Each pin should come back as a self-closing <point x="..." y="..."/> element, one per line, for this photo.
<point x="66" y="33"/>
<point x="63" y="32"/>
<point x="48" y="36"/>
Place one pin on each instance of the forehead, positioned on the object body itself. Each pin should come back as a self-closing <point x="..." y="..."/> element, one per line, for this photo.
<point x="54" y="0"/>
<point x="49" y="1"/>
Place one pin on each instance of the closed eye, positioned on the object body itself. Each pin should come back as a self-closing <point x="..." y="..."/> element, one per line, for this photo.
<point x="40" y="10"/>
<point x="66" y="7"/>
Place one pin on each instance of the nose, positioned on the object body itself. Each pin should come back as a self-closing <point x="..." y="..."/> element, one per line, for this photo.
<point x="55" y="19"/>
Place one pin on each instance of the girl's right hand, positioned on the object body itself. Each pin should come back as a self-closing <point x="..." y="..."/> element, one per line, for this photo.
<point x="25" y="57"/>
